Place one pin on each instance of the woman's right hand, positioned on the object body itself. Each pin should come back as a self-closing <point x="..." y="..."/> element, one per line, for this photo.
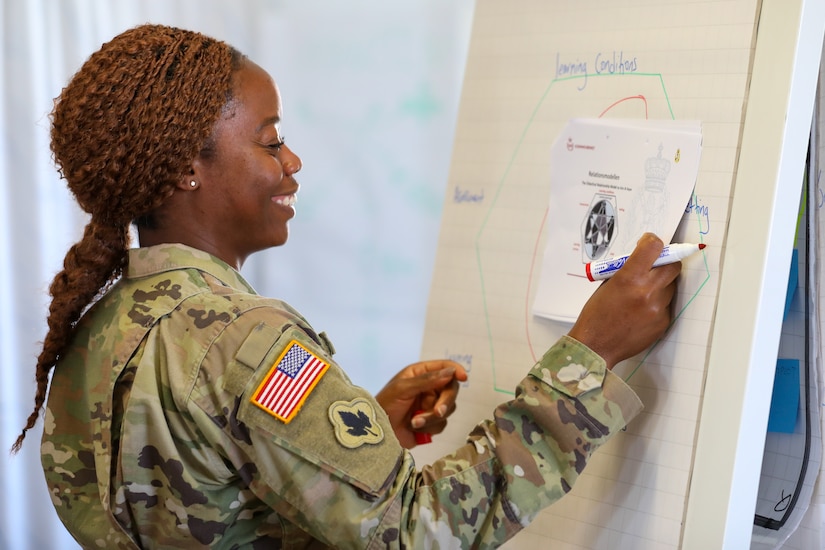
<point x="632" y="309"/>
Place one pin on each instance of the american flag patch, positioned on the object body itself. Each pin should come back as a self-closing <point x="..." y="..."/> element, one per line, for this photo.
<point x="289" y="382"/>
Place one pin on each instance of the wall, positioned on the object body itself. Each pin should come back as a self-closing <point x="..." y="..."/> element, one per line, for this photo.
<point x="370" y="99"/>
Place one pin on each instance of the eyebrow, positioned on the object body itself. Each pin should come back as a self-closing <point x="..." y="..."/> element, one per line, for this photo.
<point x="269" y="121"/>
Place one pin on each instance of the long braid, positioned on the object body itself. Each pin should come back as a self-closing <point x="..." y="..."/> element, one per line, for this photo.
<point x="95" y="258"/>
<point x="124" y="131"/>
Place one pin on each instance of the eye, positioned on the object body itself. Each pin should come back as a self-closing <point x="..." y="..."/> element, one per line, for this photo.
<point x="277" y="145"/>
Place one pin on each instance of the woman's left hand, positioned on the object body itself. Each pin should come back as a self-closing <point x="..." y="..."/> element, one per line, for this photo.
<point x="420" y="397"/>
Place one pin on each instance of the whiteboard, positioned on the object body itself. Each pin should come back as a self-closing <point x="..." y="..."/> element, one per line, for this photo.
<point x="671" y="480"/>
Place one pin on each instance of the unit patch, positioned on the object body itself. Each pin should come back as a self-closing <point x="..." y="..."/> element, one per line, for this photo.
<point x="289" y="382"/>
<point x="355" y="423"/>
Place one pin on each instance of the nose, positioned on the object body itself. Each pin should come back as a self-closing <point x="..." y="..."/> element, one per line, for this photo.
<point x="290" y="161"/>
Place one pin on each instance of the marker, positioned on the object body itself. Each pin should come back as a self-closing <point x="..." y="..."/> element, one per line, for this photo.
<point x="604" y="269"/>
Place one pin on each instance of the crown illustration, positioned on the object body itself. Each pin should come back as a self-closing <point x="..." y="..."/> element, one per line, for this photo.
<point x="656" y="171"/>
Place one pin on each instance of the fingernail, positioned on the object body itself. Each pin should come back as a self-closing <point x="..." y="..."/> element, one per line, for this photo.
<point x="441" y="410"/>
<point x="417" y="422"/>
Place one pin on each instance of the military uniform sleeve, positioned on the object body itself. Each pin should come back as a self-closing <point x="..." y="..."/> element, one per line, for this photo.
<point x="332" y="467"/>
<point x="532" y="451"/>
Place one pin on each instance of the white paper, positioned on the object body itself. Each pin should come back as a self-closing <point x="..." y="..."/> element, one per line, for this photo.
<point x="610" y="182"/>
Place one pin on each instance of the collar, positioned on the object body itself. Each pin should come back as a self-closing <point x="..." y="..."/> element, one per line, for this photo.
<point x="152" y="260"/>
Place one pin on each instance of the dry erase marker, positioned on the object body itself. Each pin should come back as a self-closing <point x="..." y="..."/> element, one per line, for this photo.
<point x="604" y="269"/>
<point x="422" y="438"/>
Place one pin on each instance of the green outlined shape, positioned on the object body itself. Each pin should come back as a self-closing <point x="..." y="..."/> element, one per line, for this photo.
<point x="502" y="180"/>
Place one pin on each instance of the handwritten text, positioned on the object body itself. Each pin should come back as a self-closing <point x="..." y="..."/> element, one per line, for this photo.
<point x="616" y="62"/>
<point x="695" y="207"/>
<point x="463" y="195"/>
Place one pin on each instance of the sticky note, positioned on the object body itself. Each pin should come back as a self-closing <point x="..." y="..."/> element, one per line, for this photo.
<point x="785" y="399"/>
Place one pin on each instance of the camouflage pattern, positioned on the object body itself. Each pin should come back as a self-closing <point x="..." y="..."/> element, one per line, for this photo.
<point x="151" y="439"/>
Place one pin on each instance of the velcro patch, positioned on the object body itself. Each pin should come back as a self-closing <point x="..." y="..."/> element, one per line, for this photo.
<point x="289" y="382"/>
<point x="355" y="423"/>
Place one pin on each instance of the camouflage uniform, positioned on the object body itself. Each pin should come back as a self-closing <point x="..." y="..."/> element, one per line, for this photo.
<point x="154" y="436"/>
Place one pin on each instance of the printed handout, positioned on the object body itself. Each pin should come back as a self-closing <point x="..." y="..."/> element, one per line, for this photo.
<point x="610" y="182"/>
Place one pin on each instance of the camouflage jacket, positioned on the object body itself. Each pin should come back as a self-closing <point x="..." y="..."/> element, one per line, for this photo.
<point x="191" y="412"/>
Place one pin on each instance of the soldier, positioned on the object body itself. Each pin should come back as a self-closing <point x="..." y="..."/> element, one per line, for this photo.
<point x="185" y="410"/>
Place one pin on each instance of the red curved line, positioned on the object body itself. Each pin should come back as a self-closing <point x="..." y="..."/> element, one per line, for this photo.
<point x="643" y="98"/>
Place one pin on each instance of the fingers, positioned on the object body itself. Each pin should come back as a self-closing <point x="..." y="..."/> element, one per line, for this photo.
<point x="436" y="406"/>
<point x="648" y="248"/>
<point x="640" y="263"/>
<point x="429" y="422"/>
<point x="430" y="376"/>
<point x="438" y="368"/>
<point x="445" y="403"/>
<point x="437" y="394"/>
<point x="415" y="381"/>
<point x="633" y="309"/>
<point x="420" y="397"/>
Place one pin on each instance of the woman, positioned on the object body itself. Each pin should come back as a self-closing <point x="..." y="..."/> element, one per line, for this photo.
<point x="187" y="411"/>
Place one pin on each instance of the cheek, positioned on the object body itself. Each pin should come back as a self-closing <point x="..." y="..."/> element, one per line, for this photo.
<point x="274" y="169"/>
<point x="256" y="177"/>
<point x="263" y="173"/>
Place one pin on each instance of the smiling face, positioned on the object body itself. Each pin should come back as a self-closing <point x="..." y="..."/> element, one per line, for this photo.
<point x="245" y="192"/>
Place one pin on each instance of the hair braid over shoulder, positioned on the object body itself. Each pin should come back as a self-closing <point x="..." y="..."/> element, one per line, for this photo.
<point x="124" y="131"/>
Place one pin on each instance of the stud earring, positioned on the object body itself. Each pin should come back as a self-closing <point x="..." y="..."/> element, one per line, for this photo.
<point x="193" y="184"/>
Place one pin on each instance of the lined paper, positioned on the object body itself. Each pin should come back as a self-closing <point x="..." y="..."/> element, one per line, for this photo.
<point x="532" y="66"/>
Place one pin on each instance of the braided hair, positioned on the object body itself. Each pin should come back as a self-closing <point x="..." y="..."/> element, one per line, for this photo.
<point x="123" y="132"/>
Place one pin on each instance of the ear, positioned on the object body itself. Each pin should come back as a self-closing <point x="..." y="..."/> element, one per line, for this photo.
<point x="188" y="181"/>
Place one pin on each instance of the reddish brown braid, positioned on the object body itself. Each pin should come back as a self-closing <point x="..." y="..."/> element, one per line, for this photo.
<point x="124" y="131"/>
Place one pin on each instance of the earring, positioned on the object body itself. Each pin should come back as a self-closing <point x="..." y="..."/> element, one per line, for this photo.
<point x="193" y="184"/>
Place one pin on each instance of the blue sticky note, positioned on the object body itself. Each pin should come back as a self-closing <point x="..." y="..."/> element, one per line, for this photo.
<point x="793" y="281"/>
<point x="785" y="399"/>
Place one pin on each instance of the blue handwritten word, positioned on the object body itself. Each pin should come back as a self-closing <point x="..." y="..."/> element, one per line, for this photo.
<point x="462" y="195"/>
<point x="615" y="65"/>
<point x="573" y="68"/>
<point x="695" y="206"/>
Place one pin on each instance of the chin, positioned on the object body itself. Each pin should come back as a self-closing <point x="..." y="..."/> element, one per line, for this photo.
<point x="280" y="239"/>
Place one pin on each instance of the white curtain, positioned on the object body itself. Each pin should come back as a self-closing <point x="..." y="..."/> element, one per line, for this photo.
<point x="370" y="93"/>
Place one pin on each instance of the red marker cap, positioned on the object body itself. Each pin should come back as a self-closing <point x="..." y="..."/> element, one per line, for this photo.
<point x="422" y="438"/>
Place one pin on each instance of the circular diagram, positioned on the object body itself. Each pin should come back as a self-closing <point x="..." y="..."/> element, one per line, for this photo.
<point x="598" y="227"/>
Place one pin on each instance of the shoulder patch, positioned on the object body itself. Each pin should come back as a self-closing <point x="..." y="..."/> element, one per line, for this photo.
<point x="355" y="423"/>
<point x="309" y="437"/>
<point x="289" y="381"/>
